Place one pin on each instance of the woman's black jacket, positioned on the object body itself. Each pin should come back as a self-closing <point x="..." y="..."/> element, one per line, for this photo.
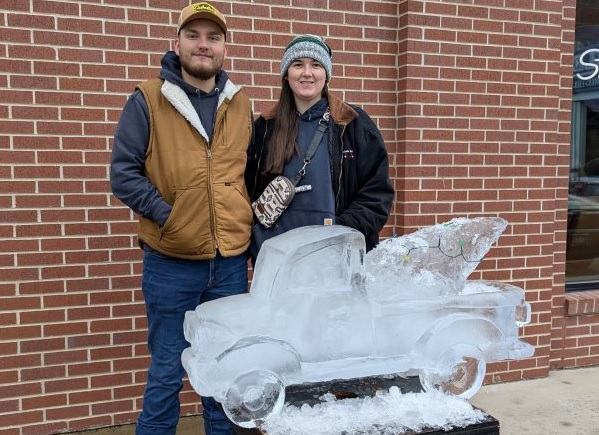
<point x="359" y="168"/>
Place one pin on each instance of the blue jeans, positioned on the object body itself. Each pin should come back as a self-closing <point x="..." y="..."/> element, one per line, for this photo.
<point x="171" y="287"/>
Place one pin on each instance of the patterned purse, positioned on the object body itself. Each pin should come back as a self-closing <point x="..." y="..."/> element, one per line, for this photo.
<point x="274" y="200"/>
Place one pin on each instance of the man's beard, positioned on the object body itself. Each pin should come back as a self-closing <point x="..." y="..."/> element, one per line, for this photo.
<point x="201" y="72"/>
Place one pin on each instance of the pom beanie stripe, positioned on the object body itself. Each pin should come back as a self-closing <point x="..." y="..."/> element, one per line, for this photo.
<point x="310" y="46"/>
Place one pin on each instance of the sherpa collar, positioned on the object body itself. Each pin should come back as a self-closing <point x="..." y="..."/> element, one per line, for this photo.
<point x="180" y="101"/>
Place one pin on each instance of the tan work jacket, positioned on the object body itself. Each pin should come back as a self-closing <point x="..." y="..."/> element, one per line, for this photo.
<point x="202" y="180"/>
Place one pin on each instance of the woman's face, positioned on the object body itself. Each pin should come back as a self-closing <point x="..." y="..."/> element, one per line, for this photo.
<point x="307" y="79"/>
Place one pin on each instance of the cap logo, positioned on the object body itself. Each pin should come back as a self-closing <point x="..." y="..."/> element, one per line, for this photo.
<point x="204" y="7"/>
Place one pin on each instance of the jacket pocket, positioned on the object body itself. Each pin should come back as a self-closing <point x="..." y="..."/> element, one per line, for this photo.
<point x="233" y="216"/>
<point x="187" y="231"/>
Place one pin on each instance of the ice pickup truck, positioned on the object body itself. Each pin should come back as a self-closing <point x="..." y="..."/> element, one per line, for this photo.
<point x="309" y="317"/>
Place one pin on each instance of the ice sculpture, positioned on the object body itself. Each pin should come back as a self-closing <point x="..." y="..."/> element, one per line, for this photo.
<point x="319" y="309"/>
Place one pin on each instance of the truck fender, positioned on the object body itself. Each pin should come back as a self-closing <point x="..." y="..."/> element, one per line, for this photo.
<point x="260" y="353"/>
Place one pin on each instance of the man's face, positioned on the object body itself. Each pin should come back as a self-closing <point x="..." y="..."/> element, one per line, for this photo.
<point x="201" y="49"/>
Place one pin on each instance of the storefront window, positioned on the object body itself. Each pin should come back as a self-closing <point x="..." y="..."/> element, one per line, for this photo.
<point x="582" y="254"/>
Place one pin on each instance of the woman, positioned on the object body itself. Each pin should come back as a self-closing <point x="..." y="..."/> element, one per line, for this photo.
<point x="346" y="181"/>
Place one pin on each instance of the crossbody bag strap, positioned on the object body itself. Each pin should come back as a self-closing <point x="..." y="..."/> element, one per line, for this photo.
<point x="316" y="139"/>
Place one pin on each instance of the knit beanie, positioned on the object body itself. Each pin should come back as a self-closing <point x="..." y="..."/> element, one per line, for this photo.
<point x="311" y="46"/>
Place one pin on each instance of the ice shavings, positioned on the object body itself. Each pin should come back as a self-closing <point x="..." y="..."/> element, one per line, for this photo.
<point x="387" y="413"/>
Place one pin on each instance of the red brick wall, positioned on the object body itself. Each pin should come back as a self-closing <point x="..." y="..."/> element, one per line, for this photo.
<point x="485" y="100"/>
<point x="473" y="101"/>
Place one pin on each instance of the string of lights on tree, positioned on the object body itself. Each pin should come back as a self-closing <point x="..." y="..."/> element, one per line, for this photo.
<point x="406" y="257"/>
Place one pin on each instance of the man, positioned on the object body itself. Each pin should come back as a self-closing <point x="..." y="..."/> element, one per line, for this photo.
<point x="178" y="161"/>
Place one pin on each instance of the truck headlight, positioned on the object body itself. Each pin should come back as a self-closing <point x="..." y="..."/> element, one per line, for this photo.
<point x="523" y="314"/>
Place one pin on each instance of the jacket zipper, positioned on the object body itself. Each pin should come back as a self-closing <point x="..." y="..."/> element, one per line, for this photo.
<point x="211" y="197"/>
<point x="340" y="169"/>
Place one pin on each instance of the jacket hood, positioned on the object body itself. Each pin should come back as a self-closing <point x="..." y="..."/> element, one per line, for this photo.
<point x="341" y="112"/>
<point x="171" y="72"/>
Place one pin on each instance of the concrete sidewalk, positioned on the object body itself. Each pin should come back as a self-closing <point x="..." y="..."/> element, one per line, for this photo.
<point x="564" y="403"/>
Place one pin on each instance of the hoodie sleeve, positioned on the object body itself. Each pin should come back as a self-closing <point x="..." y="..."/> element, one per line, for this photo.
<point x="127" y="174"/>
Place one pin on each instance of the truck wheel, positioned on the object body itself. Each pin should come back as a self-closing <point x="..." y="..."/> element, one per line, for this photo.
<point x="253" y="396"/>
<point x="458" y="370"/>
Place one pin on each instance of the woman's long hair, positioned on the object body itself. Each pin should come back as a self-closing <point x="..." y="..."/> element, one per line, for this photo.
<point x="283" y="143"/>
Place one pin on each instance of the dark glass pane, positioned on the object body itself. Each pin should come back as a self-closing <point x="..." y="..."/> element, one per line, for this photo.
<point x="582" y="255"/>
<point x="582" y="249"/>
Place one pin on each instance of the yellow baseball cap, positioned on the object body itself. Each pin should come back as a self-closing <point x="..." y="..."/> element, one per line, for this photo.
<point x="202" y="10"/>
